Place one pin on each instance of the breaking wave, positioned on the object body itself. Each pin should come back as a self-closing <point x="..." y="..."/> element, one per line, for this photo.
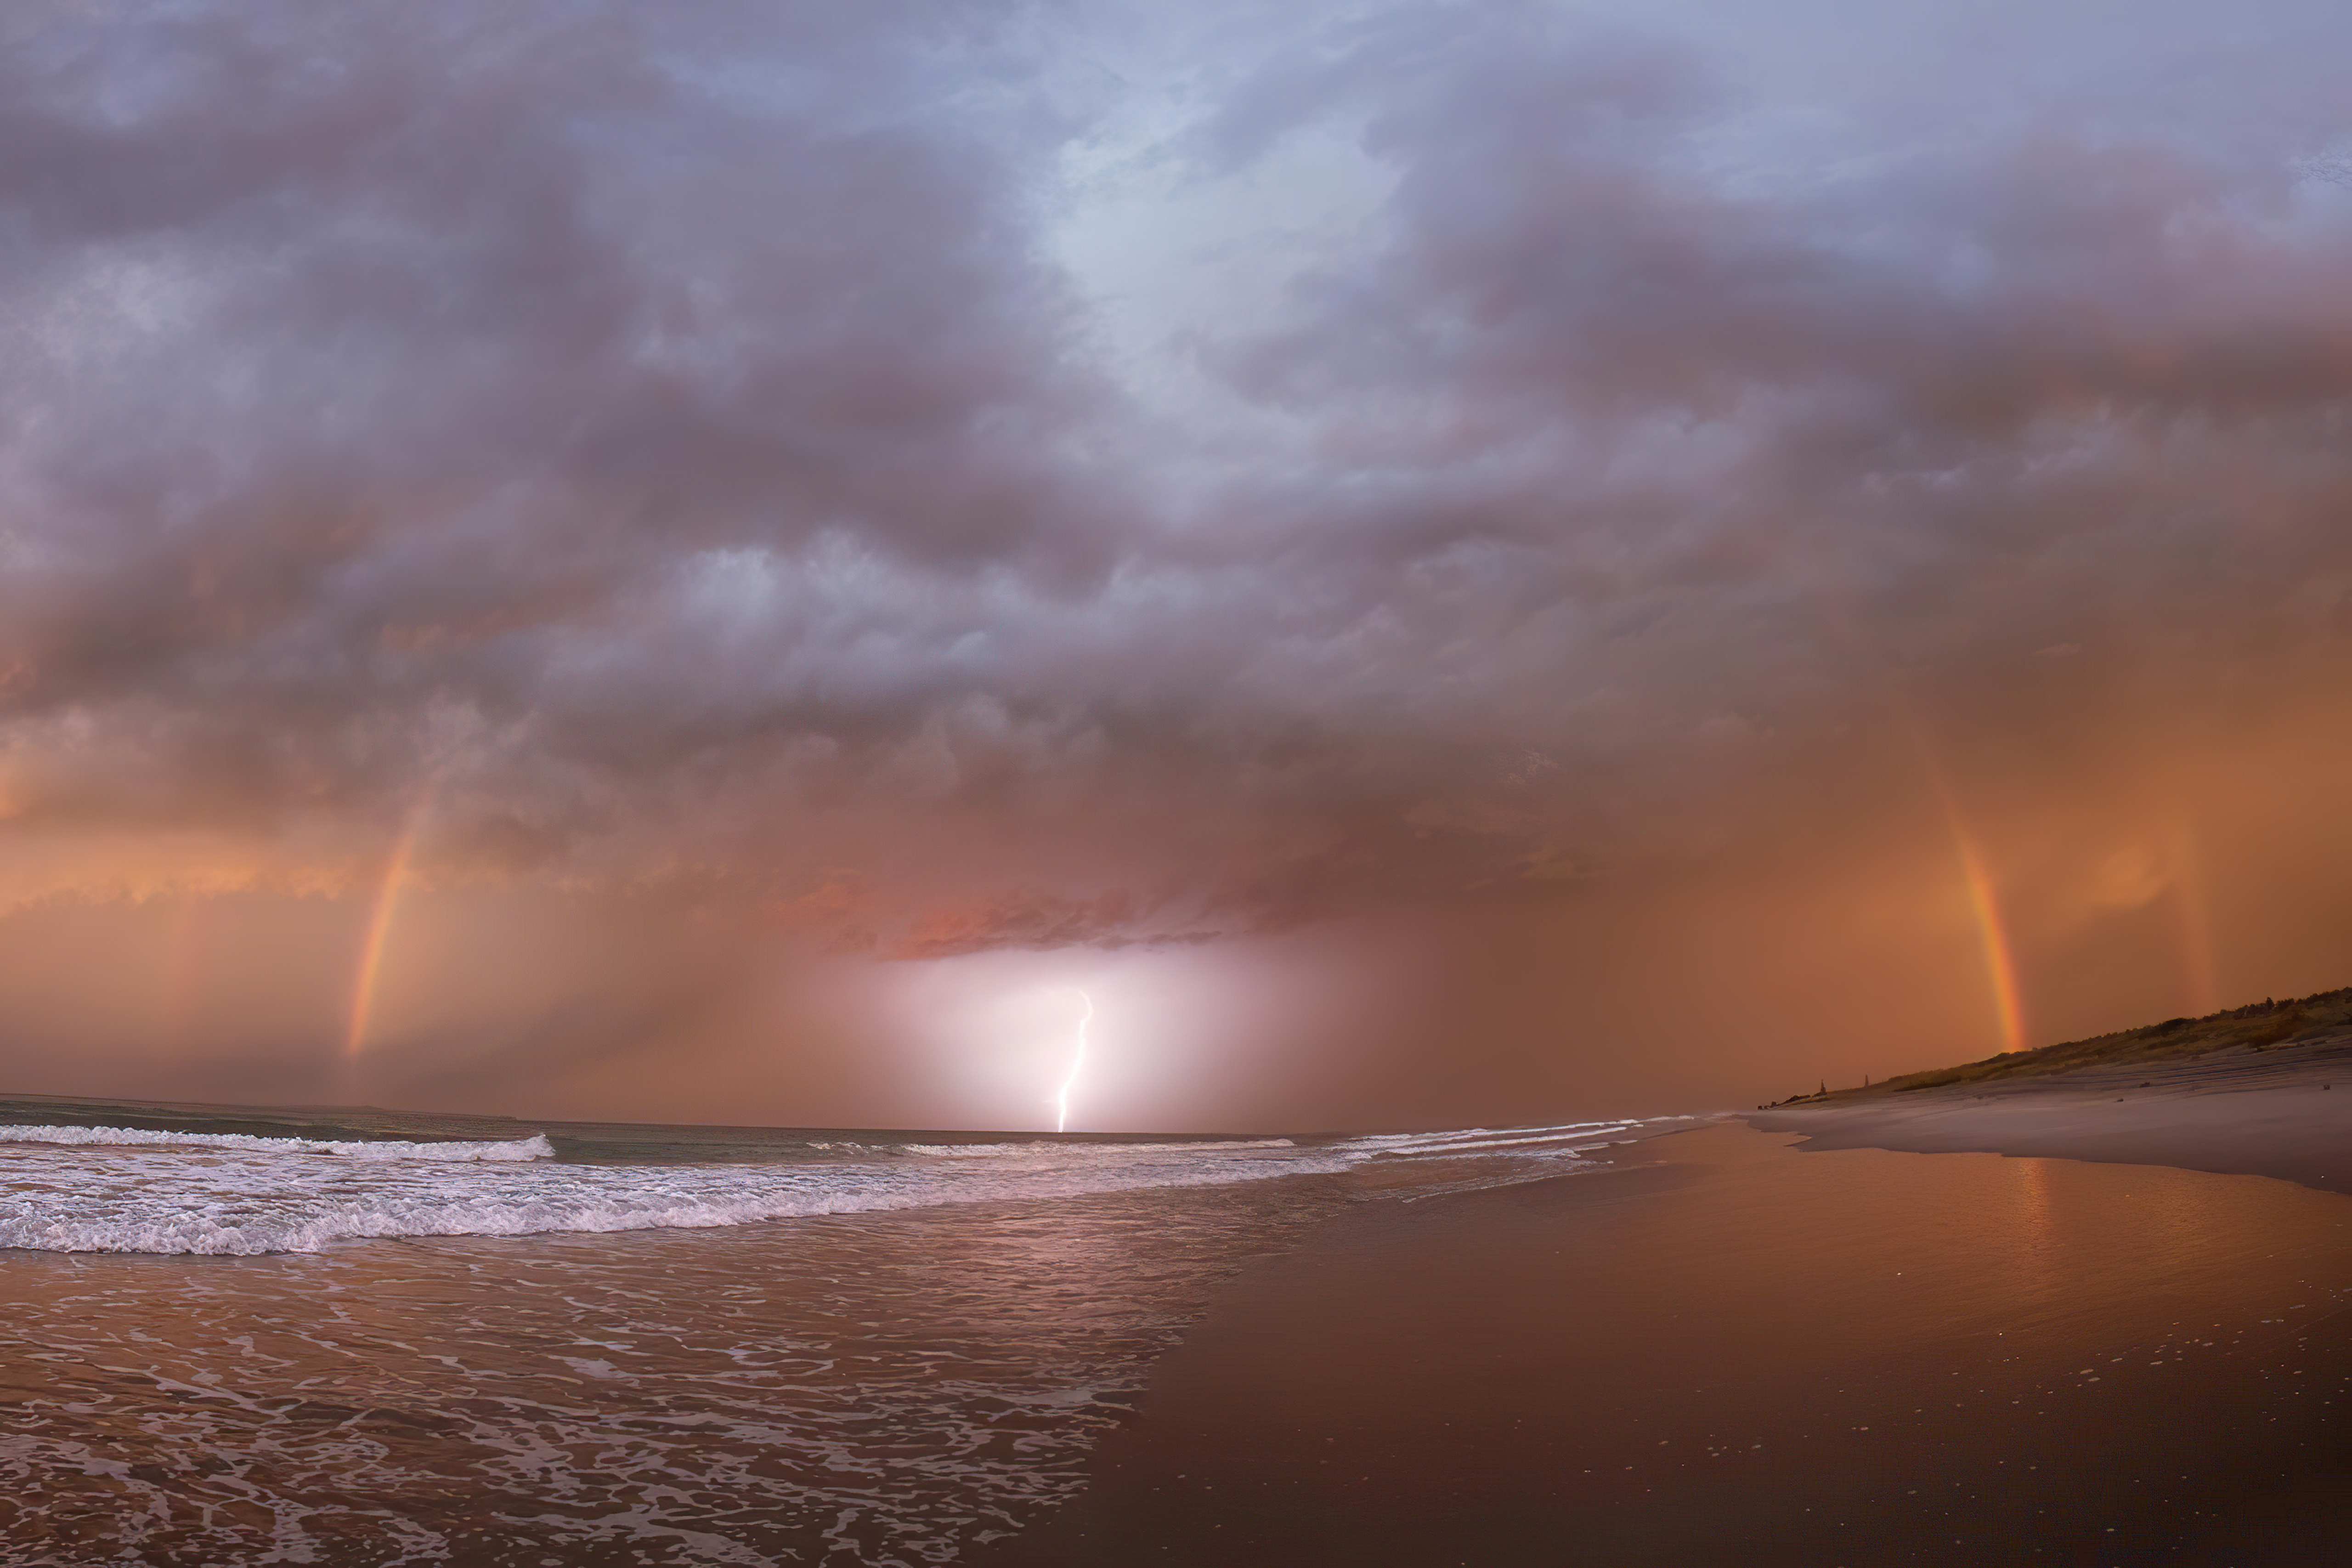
<point x="535" y="1147"/>
<point x="261" y="1195"/>
<point x="115" y="1189"/>
<point x="1567" y="1139"/>
<point x="1061" y="1149"/>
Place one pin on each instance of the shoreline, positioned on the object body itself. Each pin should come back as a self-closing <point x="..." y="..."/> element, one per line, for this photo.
<point x="2283" y="1112"/>
<point x="1716" y="1353"/>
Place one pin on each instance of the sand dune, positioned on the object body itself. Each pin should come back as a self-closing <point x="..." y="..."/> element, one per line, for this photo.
<point x="2285" y="1111"/>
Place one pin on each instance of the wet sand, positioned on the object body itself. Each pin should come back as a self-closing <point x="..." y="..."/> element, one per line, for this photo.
<point x="1736" y="1353"/>
<point x="2286" y="1112"/>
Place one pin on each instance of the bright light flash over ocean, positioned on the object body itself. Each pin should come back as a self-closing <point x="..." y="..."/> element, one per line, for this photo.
<point x="1077" y="1065"/>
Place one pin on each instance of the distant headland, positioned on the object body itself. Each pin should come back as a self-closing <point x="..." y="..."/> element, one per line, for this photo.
<point x="2248" y="1090"/>
<point x="2262" y="1026"/>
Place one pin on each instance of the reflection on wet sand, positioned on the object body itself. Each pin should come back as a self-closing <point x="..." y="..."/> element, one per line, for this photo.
<point x="848" y="1390"/>
<point x="1751" y="1356"/>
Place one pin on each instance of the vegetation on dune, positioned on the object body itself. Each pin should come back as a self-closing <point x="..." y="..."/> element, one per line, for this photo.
<point x="2259" y="1026"/>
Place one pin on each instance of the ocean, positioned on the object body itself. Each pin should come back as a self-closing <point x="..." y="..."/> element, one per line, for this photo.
<point x="365" y="1337"/>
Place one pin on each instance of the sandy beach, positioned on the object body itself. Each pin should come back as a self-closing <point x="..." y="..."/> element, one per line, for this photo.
<point x="2285" y="1111"/>
<point x="1674" y="1344"/>
<point x="1725" y="1351"/>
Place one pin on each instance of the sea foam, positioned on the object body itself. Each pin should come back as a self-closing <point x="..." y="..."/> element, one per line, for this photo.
<point x="113" y="1189"/>
<point x="535" y="1147"/>
<point x="250" y="1195"/>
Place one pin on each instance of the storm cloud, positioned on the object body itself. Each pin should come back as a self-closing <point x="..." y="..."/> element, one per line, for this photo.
<point x="929" y="483"/>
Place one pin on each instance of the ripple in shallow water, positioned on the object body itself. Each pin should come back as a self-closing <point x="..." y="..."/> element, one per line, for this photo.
<point x="872" y="1389"/>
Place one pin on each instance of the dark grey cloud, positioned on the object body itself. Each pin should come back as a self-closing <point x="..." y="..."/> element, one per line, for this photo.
<point x="677" y="447"/>
<point x="386" y="383"/>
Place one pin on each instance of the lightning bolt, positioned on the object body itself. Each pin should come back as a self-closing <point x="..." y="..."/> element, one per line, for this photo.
<point x="1077" y="1065"/>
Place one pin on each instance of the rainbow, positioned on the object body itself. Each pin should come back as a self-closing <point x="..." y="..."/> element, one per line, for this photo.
<point x="379" y="927"/>
<point x="1976" y="878"/>
<point x="2000" y="969"/>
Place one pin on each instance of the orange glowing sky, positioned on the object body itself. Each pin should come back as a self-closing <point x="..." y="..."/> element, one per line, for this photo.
<point x="1441" y="564"/>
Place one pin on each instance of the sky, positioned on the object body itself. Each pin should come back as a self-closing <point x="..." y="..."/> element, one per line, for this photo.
<point x="1435" y="564"/>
